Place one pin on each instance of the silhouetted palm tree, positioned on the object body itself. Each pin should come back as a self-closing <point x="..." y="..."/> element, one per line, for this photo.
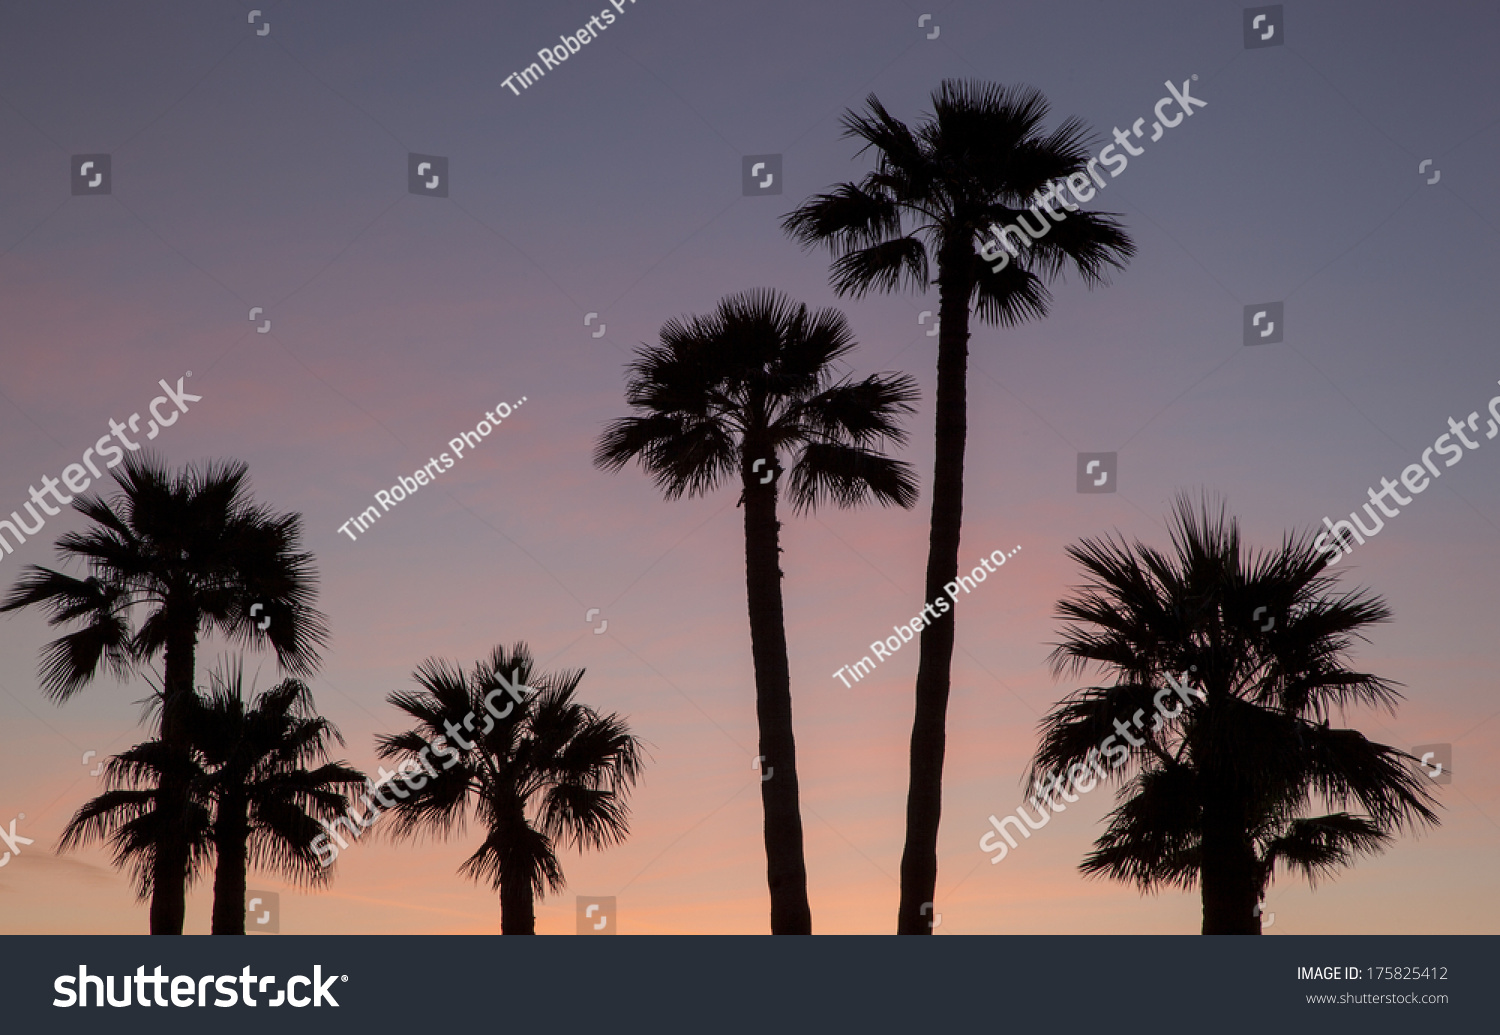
<point x="196" y="554"/>
<point x="251" y="801"/>
<point x="1219" y="794"/>
<point x="267" y="803"/>
<point x="729" y="395"/>
<point x="979" y="160"/>
<point x="541" y="770"/>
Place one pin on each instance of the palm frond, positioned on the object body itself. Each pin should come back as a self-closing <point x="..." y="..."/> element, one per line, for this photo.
<point x="849" y="476"/>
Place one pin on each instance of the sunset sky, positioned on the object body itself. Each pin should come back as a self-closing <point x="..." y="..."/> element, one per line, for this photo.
<point x="271" y="171"/>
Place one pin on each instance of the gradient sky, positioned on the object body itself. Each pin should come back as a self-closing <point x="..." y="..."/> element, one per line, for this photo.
<point x="270" y="171"/>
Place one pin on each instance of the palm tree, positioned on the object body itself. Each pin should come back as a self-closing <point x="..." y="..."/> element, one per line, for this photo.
<point x="250" y="799"/>
<point x="731" y="394"/>
<point x="542" y="770"/>
<point x="979" y="160"/>
<point x="197" y="555"/>
<point x="1220" y="794"/>
<point x="266" y="803"/>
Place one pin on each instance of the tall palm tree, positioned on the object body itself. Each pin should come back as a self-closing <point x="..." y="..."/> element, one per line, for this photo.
<point x="267" y="803"/>
<point x="541" y="770"/>
<point x="251" y="801"/>
<point x="193" y="552"/>
<point x="1219" y="795"/>
<point x="729" y="395"/>
<point x="979" y="160"/>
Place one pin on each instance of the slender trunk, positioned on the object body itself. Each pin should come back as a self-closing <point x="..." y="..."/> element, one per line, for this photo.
<point x="231" y="842"/>
<point x="786" y="871"/>
<point x="169" y="867"/>
<point x="924" y="798"/>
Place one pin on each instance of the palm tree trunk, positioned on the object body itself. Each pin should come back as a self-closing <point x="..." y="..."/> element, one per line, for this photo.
<point x="517" y="904"/>
<point x="924" y="798"/>
<point x="1230" y="874"/>
<point x="786" y="871"/>
<point x="231" y="841"/>
<point x="169" y="865"/>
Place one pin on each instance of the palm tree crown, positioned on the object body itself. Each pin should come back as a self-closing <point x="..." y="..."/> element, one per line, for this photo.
<point x="754" y="381"/>
<point x="196" y="553"/>
<point x="1221" y="795"/>
<point x="978" y="161"/>
<point x="544" y="770"/>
